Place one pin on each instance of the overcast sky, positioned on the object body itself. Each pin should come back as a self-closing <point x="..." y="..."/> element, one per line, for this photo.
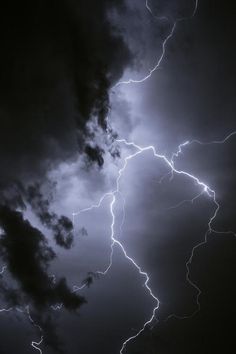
<point x="65" y="99"/>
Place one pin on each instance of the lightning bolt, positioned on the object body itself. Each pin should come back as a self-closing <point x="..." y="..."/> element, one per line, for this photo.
<point x="4" y="267"/>
<point x="164" y="44"/>
<point x="204" y="189"/>
<point x="157" y="17"/>
<point x="115" y="241"/>
<point x="113" y="195"/>
<point x="180" y="151"/>
<point x="35" y="344"/>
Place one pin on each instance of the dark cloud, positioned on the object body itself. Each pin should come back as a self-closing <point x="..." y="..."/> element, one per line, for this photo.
<point x="94" y="154"/>
<point x="26" y="252"/>
<point x="61" y="226"/>
<point x="197" y="78"/>
<point x="27" y="255"/>
<point x="191" y="96"/>
<point x="59" y="60"/>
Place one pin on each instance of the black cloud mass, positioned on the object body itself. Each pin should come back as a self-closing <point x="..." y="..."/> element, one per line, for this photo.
<point x="25" y="251"/>
<point x="56" y="68"/>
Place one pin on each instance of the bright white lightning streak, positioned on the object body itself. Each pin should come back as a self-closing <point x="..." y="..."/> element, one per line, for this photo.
<point x="157" y="17"/>
<point x="164" y="43"/>
<point x="133" y="81"/>
<point x="205" y="189"/>
<point x="118" y="243"/>
<point x="35" y="344"/>
<point x="94" y="206"/>
<point x="186" y="201"/>
<point x="180" y="151"/>
<point x="195" y="141"/>
<point x="3" y="269"/>
<point x="6" y="310"/>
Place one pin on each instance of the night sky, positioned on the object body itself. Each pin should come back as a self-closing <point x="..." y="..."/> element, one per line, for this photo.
<point x="88" y="90"/>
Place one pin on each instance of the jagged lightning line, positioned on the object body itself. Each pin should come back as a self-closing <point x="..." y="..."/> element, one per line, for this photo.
<point x="170" y="163"/>
<point x="4" y="267"/>
<point x="164" y="43"/>
<point x="180" y="151"/>
<point x="133" y="81"/>
<point x="213" y="141"/>
<point x="6" y="310"/>
<point x="113" y="194"/>
<point x="161" y="18"/>
<point x="205" y="189"/>
<point x="210" y="229"/>
<point x="35" y="344"/>
<point x="118" y="243"/>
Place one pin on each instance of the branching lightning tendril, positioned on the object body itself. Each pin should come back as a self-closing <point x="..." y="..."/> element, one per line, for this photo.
<point x="170" y="163"/>
<point x="35" y="344"/>
<point x="204" y="189"/>
<point x="166" y="40"/>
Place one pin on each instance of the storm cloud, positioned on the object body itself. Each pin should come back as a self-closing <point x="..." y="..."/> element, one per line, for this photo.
<point x="61" y="112"/>
<point x="56" y="69"/>
<point x="53" y="79"/>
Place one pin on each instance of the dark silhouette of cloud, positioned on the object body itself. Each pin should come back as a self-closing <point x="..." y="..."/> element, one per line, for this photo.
<point x="26" y="252"/>
<point x="59" y="60"/>
<point x="27" y="255"/>
<point x="61" y="226"/>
